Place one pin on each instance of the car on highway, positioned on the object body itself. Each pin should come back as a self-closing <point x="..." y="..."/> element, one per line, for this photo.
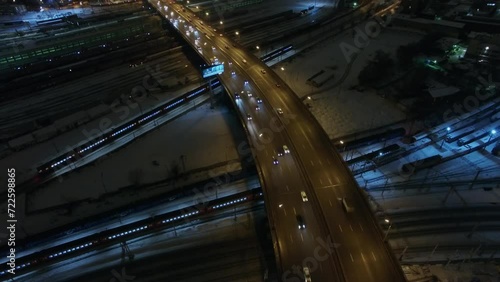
<point x="285" y="149"/>
<point x="257" y="108"/>
<point x="278" y="85"/>
<point x="259" y="100"/>
<point x="304" y="196"/>
<point x="213" y="48"/>
<point x="275" y="161"/>
<point x="220" y="34"/>
<point x="233" y="73"/>
<point x="307" y="274"/>
<point x="300" y="222"/>
<point x="279" y="111"/>
<point x="236" y="95"/>
<point x="263" y="71"/>
<point x="249" y="94"/>
<point x="246" y="82"/>
<point x="249" y="117"/>
<point x="244" y="61"/>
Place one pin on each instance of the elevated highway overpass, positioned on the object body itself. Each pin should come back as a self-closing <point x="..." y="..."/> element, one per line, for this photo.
<point x="304" y="187"/>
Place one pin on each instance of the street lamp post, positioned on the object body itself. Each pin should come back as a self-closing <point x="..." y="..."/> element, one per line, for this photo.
<point x="237" y="35"/>
<point x="388" y="229"/>
<point x="283" y="70"/>
<point x="493" y="132"/>
<point x="222" y="25"/>
<point x="447" y="131"/>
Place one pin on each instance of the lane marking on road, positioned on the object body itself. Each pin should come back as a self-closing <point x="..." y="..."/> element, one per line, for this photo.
<point x="361" y="227"/>
<point x="374" y="257"/>
<point x="330" y="181"/>
<point x="291" y="239"/>
<point x="312" y="163"/>
<point x="294" y="211"/>
<point x="351" y="257"/>
<point x="363" y="257"/>
<point x="284" y="210"/>
<point x="321" y="182"/>
<point x="340" y="227"/>
<point x="281" y="169"/>
<point x="351" y="227"/>
<point x="320" y="162"/>
<point x="330" y="201"/>
<point x="287" y="188"/>
<point x="301" y="237"/>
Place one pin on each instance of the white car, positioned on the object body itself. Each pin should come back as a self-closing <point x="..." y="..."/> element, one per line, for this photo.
<point x="249" y="93"/>
<point x="285" y="149"/>
<point x="279" y="111"/>
<point x="307" y="274"/>
<point x="249" y="117"/>
<point x="304" y="196"/>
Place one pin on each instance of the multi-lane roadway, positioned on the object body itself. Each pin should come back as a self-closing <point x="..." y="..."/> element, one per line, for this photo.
<point x="335" y="244"/>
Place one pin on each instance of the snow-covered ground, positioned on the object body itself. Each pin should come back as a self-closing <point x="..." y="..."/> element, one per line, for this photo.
<point x="342" y="111"/>
<point x="339" y="110"/>
<point x="201" y="138"/>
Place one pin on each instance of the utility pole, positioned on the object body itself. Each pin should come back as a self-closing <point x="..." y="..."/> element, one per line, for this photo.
<point x="126" y="251"/>
<point x="102" y="181"/>
<point x="474" y="180"/>
<point x="211" y="93"/>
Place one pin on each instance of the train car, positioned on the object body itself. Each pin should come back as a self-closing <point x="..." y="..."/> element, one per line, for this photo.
<point x="107" y="138"/>
<point x="368" y="140"/>
<point x="457" y="134"/>
<point x="412" y="167"/>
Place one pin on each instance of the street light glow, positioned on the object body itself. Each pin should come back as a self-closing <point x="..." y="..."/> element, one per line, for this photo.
<point x="386" y="220"/>
<point x="448" y="129"/>
<point x="221" y="22"/>
<point x="282" y="68"/>
<point x="257" y="47"/>
<point x="493" y="131"/>
<point x="237" y="33"/>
